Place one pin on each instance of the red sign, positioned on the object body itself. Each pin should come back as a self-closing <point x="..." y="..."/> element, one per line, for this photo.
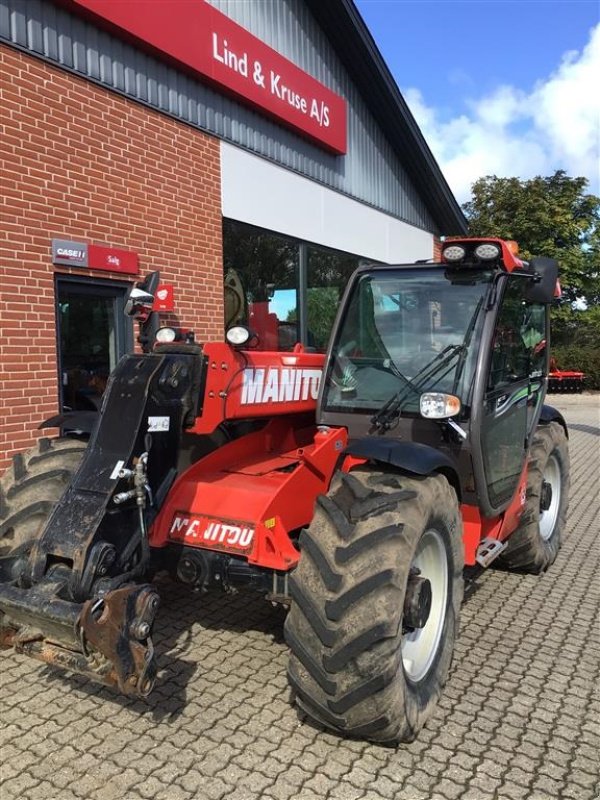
<point x="111" y="259"/>
<point x="164" y="299"/>
<point x="200" y="38"/>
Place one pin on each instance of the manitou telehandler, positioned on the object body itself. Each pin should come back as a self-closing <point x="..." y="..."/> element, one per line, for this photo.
<point x="354" y="487"/>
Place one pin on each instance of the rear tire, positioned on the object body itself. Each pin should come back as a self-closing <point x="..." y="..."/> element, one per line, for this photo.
<point x="354" y="667"/>
<point x="534" y="545"/>
<point x="31" y="488"/>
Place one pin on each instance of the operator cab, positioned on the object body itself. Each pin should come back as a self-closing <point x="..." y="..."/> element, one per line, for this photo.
<point x="452" y="355"/>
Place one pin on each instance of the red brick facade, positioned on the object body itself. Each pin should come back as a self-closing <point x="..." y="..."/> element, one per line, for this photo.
<point x="80" y="162"/>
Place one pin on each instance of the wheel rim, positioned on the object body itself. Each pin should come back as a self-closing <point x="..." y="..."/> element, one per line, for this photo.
<point x="549" y="517"/>
<point x="420" y="646"/>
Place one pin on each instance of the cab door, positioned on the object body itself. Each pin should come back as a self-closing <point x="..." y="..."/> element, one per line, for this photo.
<point x="513" y="392"/>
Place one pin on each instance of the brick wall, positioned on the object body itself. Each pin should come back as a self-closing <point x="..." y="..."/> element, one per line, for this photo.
<point x="80" y="162"/>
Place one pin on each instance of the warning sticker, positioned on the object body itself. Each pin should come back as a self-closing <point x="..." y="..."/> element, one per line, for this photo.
<point x="158" y="424"/>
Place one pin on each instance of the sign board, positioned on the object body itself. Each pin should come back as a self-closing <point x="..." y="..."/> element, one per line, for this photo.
<point x="193" y="34"/>
<point x="92" y="256"/>
<point x="164" y="298"/>
<point x="72" y="254"/>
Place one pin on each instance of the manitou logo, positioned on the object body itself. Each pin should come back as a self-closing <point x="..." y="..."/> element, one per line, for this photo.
<point x="280" y="385"/>
<point x="206" y="532"/>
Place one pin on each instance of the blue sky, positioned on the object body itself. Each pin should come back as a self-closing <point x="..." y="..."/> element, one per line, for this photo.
<point x="503" y="87"/>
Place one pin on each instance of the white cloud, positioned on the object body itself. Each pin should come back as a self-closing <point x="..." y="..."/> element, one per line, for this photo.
<point x="511" y="132"/>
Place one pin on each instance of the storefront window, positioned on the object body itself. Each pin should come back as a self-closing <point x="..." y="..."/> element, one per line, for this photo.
<point x="261" y="284"/>
<point x="285" y="290"/>
<point x="328" y="274"/>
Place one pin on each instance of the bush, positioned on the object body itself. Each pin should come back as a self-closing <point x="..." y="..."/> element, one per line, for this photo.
<point x="581" y="359"/>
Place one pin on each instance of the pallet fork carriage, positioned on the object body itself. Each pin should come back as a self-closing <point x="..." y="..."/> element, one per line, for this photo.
<point x="353" y="486"/>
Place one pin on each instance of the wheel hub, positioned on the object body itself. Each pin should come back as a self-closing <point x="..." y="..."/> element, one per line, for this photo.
<point x="550" y="497"/>
<point x="425" y="603"/>
<point x="545" y="496"/>
<point x="417" y="602"/>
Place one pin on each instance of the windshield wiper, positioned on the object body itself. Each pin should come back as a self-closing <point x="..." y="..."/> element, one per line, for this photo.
<point x="466" y="342"/>
<point x="383" y="420"/>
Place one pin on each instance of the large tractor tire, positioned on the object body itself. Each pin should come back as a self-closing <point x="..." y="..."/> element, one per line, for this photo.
<point x="535" y="544"/>
<point x="31" y="487"/>
<point x="375" y="605"/>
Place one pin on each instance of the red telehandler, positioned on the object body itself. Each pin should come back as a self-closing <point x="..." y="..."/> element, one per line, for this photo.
<point x="355" y="487"/>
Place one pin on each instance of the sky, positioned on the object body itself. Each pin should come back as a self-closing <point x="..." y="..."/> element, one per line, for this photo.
<point x="498" y="87"/>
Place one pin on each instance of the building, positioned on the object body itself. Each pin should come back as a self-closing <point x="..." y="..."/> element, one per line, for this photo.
<point x="260" y="146"/>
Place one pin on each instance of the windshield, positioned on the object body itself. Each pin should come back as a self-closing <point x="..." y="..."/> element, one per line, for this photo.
<point x="409" y="331"/>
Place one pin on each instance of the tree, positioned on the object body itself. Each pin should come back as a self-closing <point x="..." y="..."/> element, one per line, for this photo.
<point x="550" y="216"/>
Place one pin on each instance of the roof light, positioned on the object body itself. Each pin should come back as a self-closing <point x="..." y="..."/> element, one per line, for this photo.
<point x="237" y="335"/>
<point x="513" y="247"/>
<point x="439" y="406"/>
<point x="454" y="252"/>
<point x="487" y="251"/>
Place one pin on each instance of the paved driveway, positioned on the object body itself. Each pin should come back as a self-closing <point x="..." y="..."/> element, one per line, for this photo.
<point x="519" y="718"/>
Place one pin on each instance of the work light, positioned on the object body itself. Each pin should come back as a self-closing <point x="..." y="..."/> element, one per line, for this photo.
<point x="454" y="252"/>
<point x="237" y="335"/>
<point x="165" y="335"/>
<point x="487" y="251"/>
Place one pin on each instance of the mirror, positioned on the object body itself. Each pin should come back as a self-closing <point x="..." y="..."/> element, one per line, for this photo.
<point x="542" y="289"/>
<point x="139" y="304"/>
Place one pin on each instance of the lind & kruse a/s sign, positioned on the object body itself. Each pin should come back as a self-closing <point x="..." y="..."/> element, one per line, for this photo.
<point x="202" y="39"/>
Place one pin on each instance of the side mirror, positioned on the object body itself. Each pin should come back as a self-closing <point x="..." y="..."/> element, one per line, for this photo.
<point x="542" y="288"/>
<point x="139" y="304"/>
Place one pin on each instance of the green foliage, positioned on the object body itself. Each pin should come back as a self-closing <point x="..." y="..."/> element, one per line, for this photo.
<point x="570" y="326"/>
<point x="551" y="216"/>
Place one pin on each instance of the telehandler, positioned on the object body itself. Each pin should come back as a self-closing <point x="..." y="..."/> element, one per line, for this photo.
<point x="355" y="487"/>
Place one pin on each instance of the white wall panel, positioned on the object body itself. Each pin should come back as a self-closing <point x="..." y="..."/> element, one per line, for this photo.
<point x="261" y="193"/>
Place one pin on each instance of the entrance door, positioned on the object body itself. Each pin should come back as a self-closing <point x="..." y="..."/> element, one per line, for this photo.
<point x="93" y="334"/>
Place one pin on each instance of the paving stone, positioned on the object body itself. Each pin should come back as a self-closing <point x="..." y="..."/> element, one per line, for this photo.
<point x="518" y="719"/>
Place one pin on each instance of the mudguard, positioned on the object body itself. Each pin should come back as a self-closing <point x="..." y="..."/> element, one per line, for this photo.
<point x="413" y="457"/>
<point x="81" y="422"/>
<point x="550" y="414"/>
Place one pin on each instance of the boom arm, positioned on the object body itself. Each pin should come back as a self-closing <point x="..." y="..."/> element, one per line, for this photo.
<point x="242" y="384"/>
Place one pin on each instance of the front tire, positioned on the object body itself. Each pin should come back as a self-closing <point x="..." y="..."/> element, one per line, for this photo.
<point x="534" y="545"/>
<point x="356" y="665"/>
<point x="31" y="488"/>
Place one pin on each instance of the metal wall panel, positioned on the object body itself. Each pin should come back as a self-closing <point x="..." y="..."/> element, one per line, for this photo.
<point x="370" y="172"/>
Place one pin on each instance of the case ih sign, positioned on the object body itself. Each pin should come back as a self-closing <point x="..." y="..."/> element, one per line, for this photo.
<point x="93" y="256"/>
<point x="195" y="35"/>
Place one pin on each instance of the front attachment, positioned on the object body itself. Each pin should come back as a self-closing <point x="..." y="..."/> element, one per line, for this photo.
<point x="72" y="592"/>
<point x="106" y="639"/>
